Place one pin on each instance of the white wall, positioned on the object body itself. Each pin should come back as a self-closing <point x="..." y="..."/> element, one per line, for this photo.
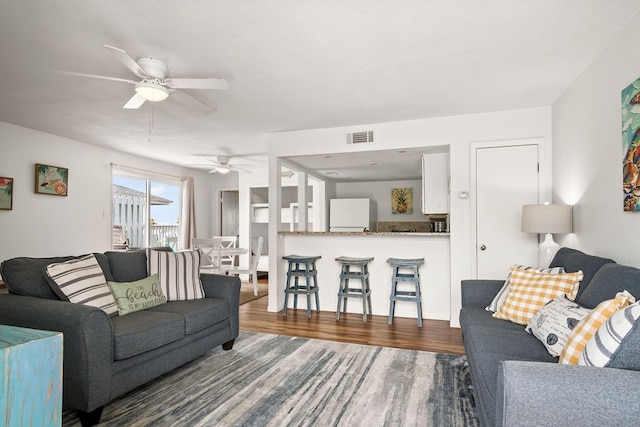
<point x="380" y="192"/>
<point x="587" y="153"/>
<point x="43" y="225"/>
<point x="458" y="132"/>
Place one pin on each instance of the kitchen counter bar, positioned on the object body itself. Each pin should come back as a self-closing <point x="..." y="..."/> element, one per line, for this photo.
<point x="434" y="273"/>
<point x="361" y="233"/>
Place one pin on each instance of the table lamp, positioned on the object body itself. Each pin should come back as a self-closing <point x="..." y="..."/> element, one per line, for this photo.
<point x="547" y="219"/>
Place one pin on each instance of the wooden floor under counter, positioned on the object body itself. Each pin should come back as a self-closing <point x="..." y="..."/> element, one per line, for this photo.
<point x="435" y="335"/>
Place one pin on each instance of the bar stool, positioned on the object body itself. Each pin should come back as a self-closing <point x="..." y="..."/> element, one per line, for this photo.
<point x="301" y="266"/>
<point x="413" y="277"/>
<point x="362" y="274"/>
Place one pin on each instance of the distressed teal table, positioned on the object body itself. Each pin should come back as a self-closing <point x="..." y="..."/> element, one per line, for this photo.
<point x="30" y="377"/>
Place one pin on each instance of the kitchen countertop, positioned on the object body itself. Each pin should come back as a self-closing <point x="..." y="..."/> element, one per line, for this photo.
<point x="362" y="233"/>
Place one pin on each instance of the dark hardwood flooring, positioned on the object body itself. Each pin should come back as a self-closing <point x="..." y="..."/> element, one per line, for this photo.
<point x="435" y="335"/>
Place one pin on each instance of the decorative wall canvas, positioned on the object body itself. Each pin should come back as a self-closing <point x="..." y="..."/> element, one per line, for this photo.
<point x="6" y="193"/>
<point x="52" y="180"/>
<point x="402" y="201"/>
<point x="631" y="146"/>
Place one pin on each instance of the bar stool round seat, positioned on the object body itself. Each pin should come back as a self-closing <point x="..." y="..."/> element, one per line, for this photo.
<point x="405" y="270"/>
<point x="301" y="266"/>
<point x="346" y="290"/>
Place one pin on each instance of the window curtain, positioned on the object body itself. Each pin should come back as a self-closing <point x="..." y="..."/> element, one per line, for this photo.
<point x="187" y="214"/>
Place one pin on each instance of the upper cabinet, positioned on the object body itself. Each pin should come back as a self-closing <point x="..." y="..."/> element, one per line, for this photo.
<point x="435" y="183"/>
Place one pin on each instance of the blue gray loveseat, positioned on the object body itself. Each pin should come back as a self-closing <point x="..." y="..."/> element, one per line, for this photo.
<point x="516" y="382"/>
<point x="105" y="357"/>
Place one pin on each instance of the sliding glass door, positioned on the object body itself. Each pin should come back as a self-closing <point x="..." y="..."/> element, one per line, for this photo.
<point x="145" y="211"/>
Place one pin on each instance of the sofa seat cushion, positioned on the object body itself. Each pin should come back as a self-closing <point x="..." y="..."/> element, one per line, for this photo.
<point x="146" y="330"/>
<point x="470" y="316"/>
<point x="197" y="314"/>
<point x="487" y="348"/>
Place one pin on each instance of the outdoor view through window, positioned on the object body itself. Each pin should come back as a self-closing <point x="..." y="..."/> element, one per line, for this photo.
<point x="146" y="212"/>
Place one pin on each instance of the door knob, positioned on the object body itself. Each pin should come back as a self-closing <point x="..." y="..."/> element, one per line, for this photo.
<point x="483" y="247"/>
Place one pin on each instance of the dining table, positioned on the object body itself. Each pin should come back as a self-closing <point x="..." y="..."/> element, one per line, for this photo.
<point x="216" y="253"/>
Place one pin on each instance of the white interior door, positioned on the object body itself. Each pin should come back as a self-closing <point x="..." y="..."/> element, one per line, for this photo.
<point x="229" y="217"/>
<point x="506" y="179"/>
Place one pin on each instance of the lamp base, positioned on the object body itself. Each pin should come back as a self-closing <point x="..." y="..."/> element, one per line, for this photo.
<point x="546" y="251"/>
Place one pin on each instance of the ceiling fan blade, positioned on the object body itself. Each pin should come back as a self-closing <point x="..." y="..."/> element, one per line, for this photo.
<point x="128" y="61"/>
<point x="192" y="102"/>
<point x="135" y="102"/>
<point x="94" y="76"/>
<point x="199" y="84"/>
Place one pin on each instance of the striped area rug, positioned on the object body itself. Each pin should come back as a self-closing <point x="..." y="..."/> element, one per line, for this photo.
<point x="272" y="380"/>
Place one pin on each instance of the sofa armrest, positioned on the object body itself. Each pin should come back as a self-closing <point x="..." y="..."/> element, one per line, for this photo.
<point x="87" y="343"/>
<point x="227" y="288"/>
<point x="479" y="293"/>
<point x="548" y="394"/>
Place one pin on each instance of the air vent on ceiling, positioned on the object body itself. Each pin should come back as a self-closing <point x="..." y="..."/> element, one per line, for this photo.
<point x="360" y="137"/>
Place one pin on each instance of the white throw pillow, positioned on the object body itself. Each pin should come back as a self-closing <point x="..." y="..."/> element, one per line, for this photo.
<point x="179" y="273"/>
<point x="498" y="300"/>
<point x="554" y="323"/>
<point x="82" y="281"/>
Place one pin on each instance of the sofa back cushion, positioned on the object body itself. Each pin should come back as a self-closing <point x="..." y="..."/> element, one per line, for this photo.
<point x="608" y="281"/>
<point x="26" y="276"/>
<point x="127" y="266"/>
<point x="574" y="260"/>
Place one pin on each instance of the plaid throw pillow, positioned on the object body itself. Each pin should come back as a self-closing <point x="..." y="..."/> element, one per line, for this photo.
<point x="588" y="326"/>
<point x="530" y="290"/>
<point x="498" y="300"/>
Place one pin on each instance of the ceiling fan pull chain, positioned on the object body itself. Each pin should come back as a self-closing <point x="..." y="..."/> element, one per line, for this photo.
<point x="151" y="122"/>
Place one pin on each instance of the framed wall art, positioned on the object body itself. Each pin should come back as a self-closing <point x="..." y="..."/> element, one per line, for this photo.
<point x="52" y="180"/>
<point x="402" y="201"/>
<point x="631" y="147"/>
<point x="6" y="193"/>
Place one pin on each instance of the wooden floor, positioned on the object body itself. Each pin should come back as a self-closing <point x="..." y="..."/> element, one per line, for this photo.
<point x="435" y="335"/>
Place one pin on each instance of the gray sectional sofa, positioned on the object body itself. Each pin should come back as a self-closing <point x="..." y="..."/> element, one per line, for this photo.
<point x="516" y="382"/>
<point x="105" y="357"/>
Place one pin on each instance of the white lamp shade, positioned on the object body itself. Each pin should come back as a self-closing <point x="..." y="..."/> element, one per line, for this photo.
<point x="544" y="219"/>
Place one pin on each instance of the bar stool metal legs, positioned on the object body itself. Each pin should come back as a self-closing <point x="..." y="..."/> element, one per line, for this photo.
<point x="301" y="267"/>
<point x="364" y="292"/>
<point x="413" y="276"/>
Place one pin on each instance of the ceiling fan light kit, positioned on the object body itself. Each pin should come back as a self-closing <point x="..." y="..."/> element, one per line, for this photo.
<point x="152" y="91"/>
<point x="222" y="169"/>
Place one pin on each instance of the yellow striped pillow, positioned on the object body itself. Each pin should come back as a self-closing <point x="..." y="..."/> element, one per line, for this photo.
<point x="530" y="289"/>
<point x="588" y="326"/>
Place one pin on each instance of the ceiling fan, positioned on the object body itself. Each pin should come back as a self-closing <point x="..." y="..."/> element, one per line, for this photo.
<point x="155" y="84"/>
<point x="222" y="165"/>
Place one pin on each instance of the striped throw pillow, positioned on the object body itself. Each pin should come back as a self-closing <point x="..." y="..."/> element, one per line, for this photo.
<point x="603" y="346"/>
<point x="179" y="273"/>
<point x="498" y="300"/>
<point x="82" y="281"/>
<point x="588" y="326"/>
<point x="530" y="290"/>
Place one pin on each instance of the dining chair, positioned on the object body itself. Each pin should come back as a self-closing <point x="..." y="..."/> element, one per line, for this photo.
<point x="208" y="246"/>
<point x="251" y="269"/>
<point x="227" y="242"/>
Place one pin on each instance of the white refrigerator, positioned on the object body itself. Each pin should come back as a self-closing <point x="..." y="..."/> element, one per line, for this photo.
<point x="352" y="215"/>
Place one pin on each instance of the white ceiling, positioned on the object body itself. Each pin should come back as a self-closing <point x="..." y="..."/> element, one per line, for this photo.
<point x="290" y="64"/>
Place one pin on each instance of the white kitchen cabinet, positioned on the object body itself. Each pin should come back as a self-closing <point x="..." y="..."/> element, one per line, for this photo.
<point x="435" y="183"/>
